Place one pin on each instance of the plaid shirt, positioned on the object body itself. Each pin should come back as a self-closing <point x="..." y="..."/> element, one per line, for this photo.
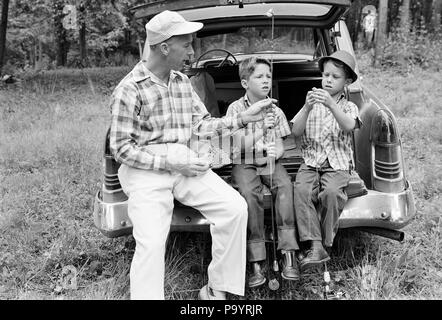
<point x="146" y="111"/>
<point x="282" y="128"/>
<point x="323" y="138"/>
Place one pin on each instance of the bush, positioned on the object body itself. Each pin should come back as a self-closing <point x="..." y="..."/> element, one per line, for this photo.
<point x="408" y="49"/>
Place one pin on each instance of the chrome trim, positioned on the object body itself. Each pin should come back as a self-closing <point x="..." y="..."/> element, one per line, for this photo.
<point x="379" y="209"/>
<point x="375" y="209"/>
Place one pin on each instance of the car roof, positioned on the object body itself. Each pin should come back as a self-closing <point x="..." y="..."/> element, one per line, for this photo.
<point x="218" y="13"/>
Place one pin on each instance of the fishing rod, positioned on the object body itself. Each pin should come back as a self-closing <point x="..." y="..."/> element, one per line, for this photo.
<point x="271" y="139"/>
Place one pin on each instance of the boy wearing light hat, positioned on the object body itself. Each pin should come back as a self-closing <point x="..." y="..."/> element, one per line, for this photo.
<point x="325" y="124"/>
<point x="155" y="111"/>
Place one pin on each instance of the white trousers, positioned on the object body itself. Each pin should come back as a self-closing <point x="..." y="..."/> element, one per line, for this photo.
<point x="150" y="206"/>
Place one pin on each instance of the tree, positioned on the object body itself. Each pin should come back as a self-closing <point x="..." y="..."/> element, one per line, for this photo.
<point x="3" y="28"/>
<point x="405" y="13"/>
<point x="60" y="32"/>
<point x="82" y="33"/>
<point x="437" y="8"/>
<point x="381" y="34"/>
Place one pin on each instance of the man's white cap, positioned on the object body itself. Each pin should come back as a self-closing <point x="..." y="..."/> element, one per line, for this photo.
<point x="168" y="24"/>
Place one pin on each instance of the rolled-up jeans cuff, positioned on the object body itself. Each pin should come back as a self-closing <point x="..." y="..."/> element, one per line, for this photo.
<point x="287" y="239"/>
<point x="256" y="250"/>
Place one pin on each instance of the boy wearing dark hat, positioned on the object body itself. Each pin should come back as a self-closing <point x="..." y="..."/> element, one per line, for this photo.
<point x="325" y="125"/>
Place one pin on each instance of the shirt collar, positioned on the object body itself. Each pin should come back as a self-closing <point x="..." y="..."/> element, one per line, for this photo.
<point x="140" y="73"/>
<point x="247" y="101"/>
<point x="341" y="96"/>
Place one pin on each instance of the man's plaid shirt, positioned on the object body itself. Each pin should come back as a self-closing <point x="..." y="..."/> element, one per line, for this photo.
<point x="323" y="138"/>
<point x="282" y="128"/>
<point x="147" y="111"/>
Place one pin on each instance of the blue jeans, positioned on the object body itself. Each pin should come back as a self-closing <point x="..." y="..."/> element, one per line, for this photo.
<point x="319" y="197"/>
<point x="250" y="186"/>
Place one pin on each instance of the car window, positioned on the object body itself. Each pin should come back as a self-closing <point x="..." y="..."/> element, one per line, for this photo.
<point x="249" y="40"/>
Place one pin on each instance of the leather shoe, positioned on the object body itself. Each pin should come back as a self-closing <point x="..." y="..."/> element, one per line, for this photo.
<point x="315" y="256"/>
<point x="290" y="266"/>
<point x="207" y="293"/>
<point x="257" y="277"/>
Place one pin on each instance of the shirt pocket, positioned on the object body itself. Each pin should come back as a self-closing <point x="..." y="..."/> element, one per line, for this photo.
<point x="153" y="116"/>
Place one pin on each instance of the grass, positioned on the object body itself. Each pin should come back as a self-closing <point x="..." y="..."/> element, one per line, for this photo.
<point x="52" y="127"/>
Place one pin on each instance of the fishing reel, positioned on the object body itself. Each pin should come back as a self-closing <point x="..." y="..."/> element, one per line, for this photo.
<point x="329" y="294"/>
<point x="274" y="283"/>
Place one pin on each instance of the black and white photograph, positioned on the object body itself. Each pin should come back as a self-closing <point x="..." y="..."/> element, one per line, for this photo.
<point x="243" y="151"/>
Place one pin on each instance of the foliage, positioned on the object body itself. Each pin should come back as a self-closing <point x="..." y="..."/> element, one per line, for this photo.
<point x="108" y="33"/>
<point x="111" y="33"/>
<point x="408" y="49"/>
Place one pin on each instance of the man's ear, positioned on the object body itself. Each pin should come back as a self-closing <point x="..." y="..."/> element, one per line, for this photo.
<point x="164" y="48"/>
<point x="244" y="83"/>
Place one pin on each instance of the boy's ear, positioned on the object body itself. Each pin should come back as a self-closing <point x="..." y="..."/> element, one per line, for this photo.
<point x="244" y="83"/>
<point x="348" y="81"/>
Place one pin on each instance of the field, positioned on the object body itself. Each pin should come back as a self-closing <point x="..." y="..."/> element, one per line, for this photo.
<point x="52" y="128"/>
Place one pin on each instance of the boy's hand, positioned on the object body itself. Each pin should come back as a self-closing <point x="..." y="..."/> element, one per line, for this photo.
<point x="322" y="96"/>
<point x="310" y="100"/>
<point x="271" y="149"/>
<point x="257" y="111"/>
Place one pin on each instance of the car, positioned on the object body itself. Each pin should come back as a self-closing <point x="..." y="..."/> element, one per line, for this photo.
<point x="293" y="35"/>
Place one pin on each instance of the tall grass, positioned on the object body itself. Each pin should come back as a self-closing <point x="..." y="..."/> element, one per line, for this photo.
<point x="52" y="127"/>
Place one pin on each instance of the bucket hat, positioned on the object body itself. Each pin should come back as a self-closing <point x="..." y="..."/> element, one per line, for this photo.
<point x="168" y="24"/>
<point x="344" y="57"/>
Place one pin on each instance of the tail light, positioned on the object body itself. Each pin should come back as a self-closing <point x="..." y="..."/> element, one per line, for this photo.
<point x="111" y="190"/>
<point x="386" y="153"/>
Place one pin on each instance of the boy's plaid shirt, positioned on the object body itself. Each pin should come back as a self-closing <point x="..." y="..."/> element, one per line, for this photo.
<point x="323" y="138"/>
<point x="146" y="111"/>
<point x="282" y="128"/>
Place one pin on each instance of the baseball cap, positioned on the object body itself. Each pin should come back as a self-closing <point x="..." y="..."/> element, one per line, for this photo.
<point x="344" y="57"/>
<point x="168" y="24"/>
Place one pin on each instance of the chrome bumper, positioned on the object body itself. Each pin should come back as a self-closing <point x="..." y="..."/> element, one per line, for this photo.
<point x="375" y="209"/>
<point x="379" y="209"/>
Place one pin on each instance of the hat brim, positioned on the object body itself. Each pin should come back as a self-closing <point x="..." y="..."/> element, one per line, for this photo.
<point x="321" y="61"/>
<point x="188" y="27"/>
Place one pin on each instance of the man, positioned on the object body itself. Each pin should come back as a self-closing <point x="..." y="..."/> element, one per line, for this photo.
<point x="155" y="111"/>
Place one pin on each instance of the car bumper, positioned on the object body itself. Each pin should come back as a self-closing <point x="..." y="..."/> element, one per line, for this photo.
<point x="375" y="209"/>
<point x="379" y="209"/>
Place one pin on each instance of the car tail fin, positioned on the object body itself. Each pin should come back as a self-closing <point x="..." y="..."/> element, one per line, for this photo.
<point x="386" y="153"/>
<point x="111" y="190"/>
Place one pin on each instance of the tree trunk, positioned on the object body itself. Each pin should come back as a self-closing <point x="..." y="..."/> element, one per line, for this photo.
<point x="405" y="14"/>
<point x="3" y="27"/>
<point x="82" y="34"/>
<point x="60" y="33"/>
<point x="428" y="6"/>
<point x="437" y="8"/>
<point x="381" y="33"/>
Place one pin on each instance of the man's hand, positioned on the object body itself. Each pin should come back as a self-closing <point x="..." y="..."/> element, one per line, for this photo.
<point x="188" y="167"/>
<point x="183" y="160"/>
<point x="257" y="111"/>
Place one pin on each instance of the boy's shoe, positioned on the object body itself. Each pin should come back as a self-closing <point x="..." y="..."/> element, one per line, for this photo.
<point x="290" y="266"/>
<point x="207" y="293"/>
<point x="257" y="277"/>
<point x="315" y="256"/>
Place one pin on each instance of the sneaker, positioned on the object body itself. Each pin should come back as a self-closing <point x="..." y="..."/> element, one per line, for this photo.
<point x="315" y="256"/>
<point x="257" y="277"/>
<point x="207" y="293"/>
<point x="290" y="266"/>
